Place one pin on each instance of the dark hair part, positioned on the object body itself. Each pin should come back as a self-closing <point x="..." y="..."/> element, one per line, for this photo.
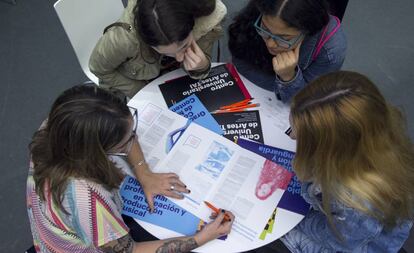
<point x="163" y="22"/>
<point x="84" y="123"/>
<point x="308" y="16"/>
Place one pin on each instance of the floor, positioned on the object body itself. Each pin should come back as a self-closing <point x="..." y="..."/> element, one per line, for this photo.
<point x="37" y="63"/>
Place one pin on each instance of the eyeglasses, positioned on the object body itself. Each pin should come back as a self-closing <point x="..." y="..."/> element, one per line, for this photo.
<point x="281" y="42"/>
<point x="134" y="113"/>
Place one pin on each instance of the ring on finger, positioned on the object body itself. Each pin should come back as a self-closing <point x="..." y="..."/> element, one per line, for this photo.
<point x="172" y="187"/>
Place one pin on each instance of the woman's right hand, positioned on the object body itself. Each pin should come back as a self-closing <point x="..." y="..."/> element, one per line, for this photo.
<point x="216" y="228"/>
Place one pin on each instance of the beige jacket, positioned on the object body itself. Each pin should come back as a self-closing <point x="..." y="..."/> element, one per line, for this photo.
<point x="122" y="60"/>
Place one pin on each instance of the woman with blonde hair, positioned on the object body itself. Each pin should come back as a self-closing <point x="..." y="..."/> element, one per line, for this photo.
<point x="356" y="163"/>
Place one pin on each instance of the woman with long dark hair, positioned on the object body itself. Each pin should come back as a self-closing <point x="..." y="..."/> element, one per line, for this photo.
<point x="73" y="197"/>
<point x="157" y="35"/>
<point x="281" y="45"/>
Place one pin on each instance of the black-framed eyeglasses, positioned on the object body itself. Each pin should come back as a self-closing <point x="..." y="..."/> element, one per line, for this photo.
<point x="281" y="42"/>
<point x="134" y="113"/>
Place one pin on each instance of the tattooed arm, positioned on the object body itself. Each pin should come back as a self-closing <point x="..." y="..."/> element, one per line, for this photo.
<point x="122" y="245"/>
<point x="127" y="245"/>
<point x="213" y="230"/>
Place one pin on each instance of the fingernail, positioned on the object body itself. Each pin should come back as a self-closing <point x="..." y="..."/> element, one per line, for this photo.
<point x="189" y="191"/>
<point x="223" y="211"/>
<point x="185" y="186"/>
<point x="229" y="219"/>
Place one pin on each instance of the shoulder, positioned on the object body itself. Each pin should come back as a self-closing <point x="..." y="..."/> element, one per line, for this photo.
<point x="81" y="190"/>
<point x="205" y="24"/>
<point x="335" y="47"/>
<point x="123" y="37"/>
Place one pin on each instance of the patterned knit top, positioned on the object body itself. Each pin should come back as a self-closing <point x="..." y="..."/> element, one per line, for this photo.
<point x="92" y="217"/>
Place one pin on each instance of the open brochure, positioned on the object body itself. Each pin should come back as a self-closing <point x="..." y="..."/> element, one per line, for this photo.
<point x="214" y="168"/>
<point x="219" y="171"/>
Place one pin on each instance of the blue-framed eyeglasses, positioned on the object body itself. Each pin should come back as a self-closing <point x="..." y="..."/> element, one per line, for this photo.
<point x="281" y="42"/>
<point x="134" y="113"/>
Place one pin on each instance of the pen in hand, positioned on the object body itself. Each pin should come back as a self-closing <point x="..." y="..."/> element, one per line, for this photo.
<point x="216" y="210"/>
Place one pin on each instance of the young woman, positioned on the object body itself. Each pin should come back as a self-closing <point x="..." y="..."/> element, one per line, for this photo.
<point x="72" y="189"/>
<point x="153" y="35"/>
<point x="281" y="45"/>
<point x="356" y="163"/>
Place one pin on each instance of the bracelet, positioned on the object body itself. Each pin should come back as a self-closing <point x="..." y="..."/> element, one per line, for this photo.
<point x="139" y="163"/>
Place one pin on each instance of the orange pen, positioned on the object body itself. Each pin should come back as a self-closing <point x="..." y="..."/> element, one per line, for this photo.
<point x="240" y="103"/>
<point x="216" y="210"/>
<point x="237" y="109"/>
<point x="243" y="107"/>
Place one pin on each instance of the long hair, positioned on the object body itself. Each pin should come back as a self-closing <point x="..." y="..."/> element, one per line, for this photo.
<point x="163" y="22"/>
<point x="83" y="124"/>
<point x="354" y="145"/>
<point x="308" y="16"/>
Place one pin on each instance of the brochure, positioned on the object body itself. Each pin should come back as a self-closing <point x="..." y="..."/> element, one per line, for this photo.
<point x="241" y="125"/>
<point x="291" y="199"/>
<point x="222" y="87"/>
<point x="192" y="109"/>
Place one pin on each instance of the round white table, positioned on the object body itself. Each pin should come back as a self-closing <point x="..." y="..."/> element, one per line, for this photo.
<point x="274" y="116"/>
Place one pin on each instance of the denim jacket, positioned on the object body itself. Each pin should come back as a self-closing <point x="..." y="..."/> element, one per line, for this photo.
<point x="330" y="58"/>
<point x="360" y="232"/>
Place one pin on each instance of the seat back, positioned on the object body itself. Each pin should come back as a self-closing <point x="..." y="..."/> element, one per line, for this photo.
<point x="84" y="22"/>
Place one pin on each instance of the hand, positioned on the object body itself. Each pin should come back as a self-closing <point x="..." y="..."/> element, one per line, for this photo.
<point x="154" y="183"/>
<point x="284" y="64"/>
<point x="160" y="184"/>
<point x="194" y="58"/>
<point x="215" y="229"/>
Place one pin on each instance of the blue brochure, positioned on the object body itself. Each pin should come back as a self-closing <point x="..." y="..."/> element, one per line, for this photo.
<point x="166" y="214"/>
<point x="291" y="199"/>
<point x="192" y="108"/>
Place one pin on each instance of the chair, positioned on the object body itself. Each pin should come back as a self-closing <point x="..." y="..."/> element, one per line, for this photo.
<point x="84" y="22"/>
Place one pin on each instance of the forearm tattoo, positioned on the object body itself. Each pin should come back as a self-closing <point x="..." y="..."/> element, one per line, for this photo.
<point x="123" y="245"/>
<point x="178" y="246"/>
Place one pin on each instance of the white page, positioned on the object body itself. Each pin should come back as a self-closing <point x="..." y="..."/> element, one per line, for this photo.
<point x="219" y="171"/>
<point x="155" y="123"/>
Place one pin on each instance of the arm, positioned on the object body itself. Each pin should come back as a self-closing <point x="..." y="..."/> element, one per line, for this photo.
<point x="206" y="44"/>
<point x="322" y="65"/>
<point x="213" y="230"/>
<point x="127" y="245"/>
<point x="113" y="49"/>
<point x="154" y="183"/>
<point x="314" y="230"/>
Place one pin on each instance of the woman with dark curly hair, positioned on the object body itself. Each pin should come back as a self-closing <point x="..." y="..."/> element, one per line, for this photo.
<point x="281" y="45"/>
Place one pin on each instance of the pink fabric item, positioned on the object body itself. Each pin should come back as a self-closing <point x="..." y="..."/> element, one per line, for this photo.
<point x="272" y="177"/>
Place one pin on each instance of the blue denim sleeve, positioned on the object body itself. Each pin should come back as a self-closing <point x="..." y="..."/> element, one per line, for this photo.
<point x="326" y="62"/>
<point x="315" y="234"/>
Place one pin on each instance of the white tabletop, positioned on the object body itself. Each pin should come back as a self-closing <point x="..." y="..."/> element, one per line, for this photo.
<point x="274" y="116"/>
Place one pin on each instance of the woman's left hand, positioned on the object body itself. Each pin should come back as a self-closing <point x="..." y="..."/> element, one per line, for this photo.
<point x="167" y="184"/>
<point x="194" y="58"/>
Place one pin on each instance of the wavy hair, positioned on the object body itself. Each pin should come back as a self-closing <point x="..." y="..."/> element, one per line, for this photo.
<point x="308" y="16"/>
<point x="84" y="123"/>
<point x="354" y="145"/>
